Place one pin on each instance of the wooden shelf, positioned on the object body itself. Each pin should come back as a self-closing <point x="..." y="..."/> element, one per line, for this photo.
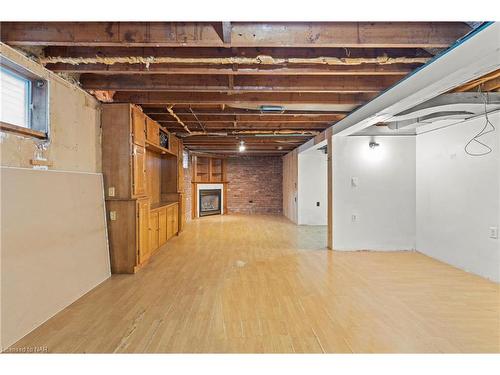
<point x="155" y="206"/>
<point x="158" y="149"/>
<point x="207" y="169"/>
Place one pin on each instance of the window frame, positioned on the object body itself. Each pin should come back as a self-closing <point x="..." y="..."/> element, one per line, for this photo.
<point x="37" y="103"/>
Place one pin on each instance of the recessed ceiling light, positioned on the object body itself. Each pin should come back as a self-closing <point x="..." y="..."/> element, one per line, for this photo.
<point x="271" y="108"/>
<point x="242" y="147"/>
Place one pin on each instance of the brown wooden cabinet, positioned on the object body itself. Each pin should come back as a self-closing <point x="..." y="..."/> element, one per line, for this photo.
<point x="152" y="131"/>
<point x="143" y="248"/>
<point x="138" y="127"/>
<point x="154" y="229"/>
<point x="139" y="171"/>
<point x="141" y="183"/>
<point x="128" y="234"/>
<point x="162" y="223"/>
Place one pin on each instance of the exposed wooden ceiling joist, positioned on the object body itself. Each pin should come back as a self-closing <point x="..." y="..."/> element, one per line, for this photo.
<point x="197" y="69"/>
<point x="241" y="99"/>
<point x="218" y="83"/>
<point x="242" y="34"/>
<point x="207" y="81"/>
<point x="488" y="82"/>
<point x="215" y="110"/>
<point x="249" y="118"/>
<point x="250" y="126"/>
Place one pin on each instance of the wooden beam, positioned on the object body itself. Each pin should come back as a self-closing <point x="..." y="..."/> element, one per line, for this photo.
<point x="250" y="125"/>
<point x="215" y="118"/>
<point x="488" y="82"/>
<point x="217" y="83"/>
<point x="54" y="53"/>
<point x="348" y="34"/>
<point x="243" y="34"/>
<point x="223" y="30"/>
<point x="335" y="70"/>
<point x="206" y="110"/>
<point x="159" y="97"/>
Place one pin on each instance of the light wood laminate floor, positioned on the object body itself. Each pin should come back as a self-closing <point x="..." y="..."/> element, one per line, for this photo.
<point x="261" y="284"/>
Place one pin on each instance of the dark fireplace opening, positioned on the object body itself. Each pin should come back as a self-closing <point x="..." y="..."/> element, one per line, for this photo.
<point x="210" y="203"/>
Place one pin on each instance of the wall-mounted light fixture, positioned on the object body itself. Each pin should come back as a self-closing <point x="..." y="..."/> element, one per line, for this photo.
<point x="373" y="144"/>
<point x="242" y="147"/>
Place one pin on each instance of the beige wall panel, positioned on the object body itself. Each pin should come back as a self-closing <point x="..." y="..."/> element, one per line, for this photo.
<point x="53" y="244"/>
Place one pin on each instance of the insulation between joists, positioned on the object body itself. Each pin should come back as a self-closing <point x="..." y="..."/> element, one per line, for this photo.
<point x="259" y="60"/>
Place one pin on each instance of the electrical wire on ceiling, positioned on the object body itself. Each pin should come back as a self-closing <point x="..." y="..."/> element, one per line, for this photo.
<point x="486" y="129"/>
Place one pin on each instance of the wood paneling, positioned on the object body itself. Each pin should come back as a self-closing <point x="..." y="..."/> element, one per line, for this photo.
<point x="290" y="181"/>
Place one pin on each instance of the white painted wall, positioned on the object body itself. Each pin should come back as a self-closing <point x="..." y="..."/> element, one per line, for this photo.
<point x="312" y="188"/>
<point x="383" y="201"/>
<point x="458" y="198"/>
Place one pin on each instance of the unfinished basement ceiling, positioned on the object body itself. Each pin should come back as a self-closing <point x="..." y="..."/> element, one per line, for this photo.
<point x="472" y="99"/>
<point x="207" y="82"/>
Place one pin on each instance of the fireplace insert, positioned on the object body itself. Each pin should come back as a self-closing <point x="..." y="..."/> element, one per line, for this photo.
<point x="210" y="202"/>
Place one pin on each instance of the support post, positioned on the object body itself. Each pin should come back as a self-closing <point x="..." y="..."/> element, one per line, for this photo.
<point x="330" y="190"/>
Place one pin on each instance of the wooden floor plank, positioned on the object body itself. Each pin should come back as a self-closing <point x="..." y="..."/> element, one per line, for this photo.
<point x="260" y="284"/>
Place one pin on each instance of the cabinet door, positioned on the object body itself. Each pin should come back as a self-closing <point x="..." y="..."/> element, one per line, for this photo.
<point x="162" y="222"/>
<point x="182" y="215"/>
<point x="170" y="223"/>
<point x="176" y="219"/>
<point x="138" y="127"/>
<point x="153" y="231"/>
<point x="174" y="144"/>
<point x="139" y="171"/>
<point x="143" y="230"/>
<point x="152" y="131"/>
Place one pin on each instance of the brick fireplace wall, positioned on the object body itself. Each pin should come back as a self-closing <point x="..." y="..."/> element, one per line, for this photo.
<point x="257" y="179"/>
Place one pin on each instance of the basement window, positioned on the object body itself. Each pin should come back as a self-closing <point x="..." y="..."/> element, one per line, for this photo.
<point x="23" y="101"/>
<point x="185" y="159"/>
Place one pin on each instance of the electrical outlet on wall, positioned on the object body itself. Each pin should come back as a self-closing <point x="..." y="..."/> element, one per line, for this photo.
<point x="111" y="191"/>
<point x="493" y="231"/>
<point x="112" y="215"/>
<point x="354" y="182"/>
<point x="354" y="218"/>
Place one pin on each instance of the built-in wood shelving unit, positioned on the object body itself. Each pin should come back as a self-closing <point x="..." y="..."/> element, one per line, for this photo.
<point x="144" y="185"/>
<point x="208" y="169"/>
